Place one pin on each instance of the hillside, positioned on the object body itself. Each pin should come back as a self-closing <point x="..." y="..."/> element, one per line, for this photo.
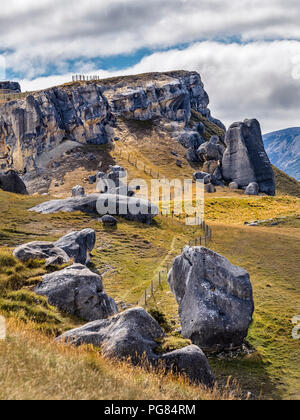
<point x="283" y="148"/>
<point x="130" y="256"/>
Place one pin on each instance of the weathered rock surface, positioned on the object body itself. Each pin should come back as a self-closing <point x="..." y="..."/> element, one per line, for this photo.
<point x="77" y="291"/>
<point x="211" y="150"/>
<point x="192" y="362"/>
<point x="78" y="245"/>
<point x="132" y="335"/>
<point x="215" y="299"/>
<point x="11" y="182"/>
<point x="31" y="128"/>
<point x="108" y="220"/>
<point x="13" y="87"/>
<point x="245" y="159"/>
<point x="78" y="191"/>
<point x="252" y="189"/>
<point x="202" y="176"/>
<point x="128" y="207"/>
<point x="41" y="251"/>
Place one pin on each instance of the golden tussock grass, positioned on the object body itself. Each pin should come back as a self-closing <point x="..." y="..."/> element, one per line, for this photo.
<point x="35" y="367"/>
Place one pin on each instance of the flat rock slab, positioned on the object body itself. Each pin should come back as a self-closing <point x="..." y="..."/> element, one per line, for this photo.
<point x="77" y="291"/>
<point x="215" y="299"/>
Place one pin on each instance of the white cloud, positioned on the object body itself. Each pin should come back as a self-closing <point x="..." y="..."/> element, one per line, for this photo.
<point x="256" y="80"/>
<point x="39" y="34"/>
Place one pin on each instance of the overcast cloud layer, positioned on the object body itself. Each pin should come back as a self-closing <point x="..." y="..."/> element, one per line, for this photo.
<point x="247" y="51"/>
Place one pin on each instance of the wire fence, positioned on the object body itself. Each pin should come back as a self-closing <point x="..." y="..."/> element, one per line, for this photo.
<point x="162" y="275"/>
<point x="84" y="78"/>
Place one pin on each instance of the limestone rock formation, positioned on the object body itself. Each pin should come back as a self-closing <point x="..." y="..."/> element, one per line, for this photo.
<point x="33" y="127"/>
<point x="130" y="208"/>
<point x="11" y="182"/>
<point x="36" y="128"/>
<point x="132" y="335"/>
<point x="41" y="251"/>
<point x="245" y="160"/>
<point x="77" y="291"/>
<point x="11" y="87"/>
<point x="214" y="297"/>
<point x="78" y="245"/>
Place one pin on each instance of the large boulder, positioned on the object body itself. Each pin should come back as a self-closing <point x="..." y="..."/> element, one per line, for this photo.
<point x="215" y="299"/>
<point x="11" y="182"/>
<point x="202" y="176"/>
<point x="130" y="208"/>
<point x="78" y="245"/>
<point x="132" y="335"/>
<point x="41" y="251"/>
<point x="211" y="150"/>
<point x="77" y="291"/>
<point x="245" y="159"/>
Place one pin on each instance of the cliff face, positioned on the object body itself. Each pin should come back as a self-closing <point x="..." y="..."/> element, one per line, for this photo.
<point x="84" y="113"/>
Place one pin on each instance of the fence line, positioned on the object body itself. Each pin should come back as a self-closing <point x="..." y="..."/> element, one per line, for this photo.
<point x="162" y="275"/>
<point x="84" y="78"/>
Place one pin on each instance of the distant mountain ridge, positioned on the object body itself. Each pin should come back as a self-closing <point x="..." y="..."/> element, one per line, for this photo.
<point x="283" y="148"/>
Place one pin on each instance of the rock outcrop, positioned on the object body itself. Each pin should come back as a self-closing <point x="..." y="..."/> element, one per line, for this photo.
<point x="75" y="245"/>
<point x="77" y="291"/>
<point x="78" y="245"/>
<point x="215" y="299"/>
<point x="11" y="87"/>
<point x="128" y="207"/>
<point x="35" y="126"/>
<point x="46" y="121"/>
<point x="245" y="159"/>
<point x="11" y="182"/>
<point x="41" y="251"/>
<point x="133" y="335"/>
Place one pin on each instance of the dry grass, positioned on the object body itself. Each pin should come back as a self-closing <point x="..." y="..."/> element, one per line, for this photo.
<point x="34" y="367"/>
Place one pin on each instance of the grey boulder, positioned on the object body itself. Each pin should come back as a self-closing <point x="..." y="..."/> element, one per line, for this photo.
<point x="11" y="182"/>
<point x="78" y="191"/>
<point x="132" y="335"/>
<point x="211" y="150"/>
<point x="78" y="245"/>
<point x="77" y="291"/>
<point x="245" y="159"/>
<point x="130" y="208"/>
<point x="108" y="220"/>
<point x="252" y="189"/>
<point x="41" y="251"/>
<point x="202" y="176"/>
<point x="215" y="299"/>
<point x="190" y="361"/>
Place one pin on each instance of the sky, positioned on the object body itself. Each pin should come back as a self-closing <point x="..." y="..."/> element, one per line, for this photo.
<point x="246" y="51"/>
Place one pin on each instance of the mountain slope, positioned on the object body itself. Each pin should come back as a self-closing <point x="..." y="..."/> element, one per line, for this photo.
<point x="283" y="148"/>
